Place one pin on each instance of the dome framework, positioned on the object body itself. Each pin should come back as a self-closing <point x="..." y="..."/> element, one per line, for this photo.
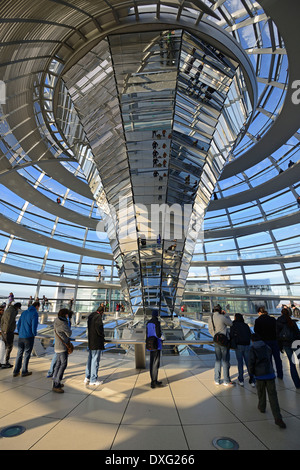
<point x="251" y="235"/>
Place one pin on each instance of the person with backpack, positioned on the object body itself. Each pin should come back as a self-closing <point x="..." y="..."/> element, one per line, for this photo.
<point x="154" y="345"/>
<point x="287" y="332"/>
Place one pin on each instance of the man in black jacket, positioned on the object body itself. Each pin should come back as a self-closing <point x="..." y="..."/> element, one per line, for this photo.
<point x="265" y="327"/>
<point x="96" y="345"/>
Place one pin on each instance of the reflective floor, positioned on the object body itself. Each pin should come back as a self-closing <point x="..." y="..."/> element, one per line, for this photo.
<point x="124" y="413"/>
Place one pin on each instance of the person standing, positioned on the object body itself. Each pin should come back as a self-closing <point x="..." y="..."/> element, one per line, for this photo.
<point x="96" y="345"/>
<point x="8" y="326"/>
<point x="153" y="328"/>
<point x="218" y="323"/>
<point x="287" y="333"/>
<point x="265" y="327"/>
<point x="2" y="344"/>
<point x="295" y="311"/>
<point x="11" y="298"/>
<point x="260" y="366"/>
<point x="62" y="334"/>
<point x="27" y="329"/>
<point x="240" y="335"/>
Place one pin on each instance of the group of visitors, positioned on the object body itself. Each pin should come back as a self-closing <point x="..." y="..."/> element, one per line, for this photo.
<point x="254" y="350"/>
<point x="257" y="351"/>
<point x="27" y="331"/>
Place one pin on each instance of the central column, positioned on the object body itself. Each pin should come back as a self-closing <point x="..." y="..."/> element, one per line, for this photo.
<point x="162" y="120"/>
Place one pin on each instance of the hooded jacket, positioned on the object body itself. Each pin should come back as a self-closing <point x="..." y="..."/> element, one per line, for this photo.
<point x="241" y="332"/>
<point x="153" y="329"/>
<point x="62" y="333"/>
<point x="260" y="361"/>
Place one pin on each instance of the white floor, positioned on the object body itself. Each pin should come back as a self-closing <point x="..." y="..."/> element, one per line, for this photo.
<point x="126" y="414"/>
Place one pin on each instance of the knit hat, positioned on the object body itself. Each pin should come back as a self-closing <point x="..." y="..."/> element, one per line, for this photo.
<point x="154" y="313"/>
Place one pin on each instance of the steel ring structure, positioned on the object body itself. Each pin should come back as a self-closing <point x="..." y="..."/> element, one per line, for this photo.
<point x="115" y="110"/>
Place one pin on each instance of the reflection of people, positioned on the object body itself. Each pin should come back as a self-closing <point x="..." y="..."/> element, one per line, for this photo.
<point x="62" y="270"/>
<point x="96" y="345"/>
<point x="153" y="329"/>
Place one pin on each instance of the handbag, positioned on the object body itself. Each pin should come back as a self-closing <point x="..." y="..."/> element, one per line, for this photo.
<point x="151" y="343"/>
<point x="219" y="338"/>
<point x="68" y="345"/>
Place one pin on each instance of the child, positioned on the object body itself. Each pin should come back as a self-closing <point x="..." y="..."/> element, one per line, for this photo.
<point x="260" y="365"/>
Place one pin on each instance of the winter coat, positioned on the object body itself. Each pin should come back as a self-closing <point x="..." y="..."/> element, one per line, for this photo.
<point x="95" y="331"/>
<point x="153" y="329"/>
<point x="240" y="332"/>
<point x="28" y="323"/>
<point x="8" y="320"/>
<point x="265" y="327"/>
<point x="260" y="361"/>
<point x="61" y="330"/>
<point x="285" y="333"/>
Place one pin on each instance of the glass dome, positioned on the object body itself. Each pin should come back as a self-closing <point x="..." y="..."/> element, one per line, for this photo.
<point x="51" y="191"/>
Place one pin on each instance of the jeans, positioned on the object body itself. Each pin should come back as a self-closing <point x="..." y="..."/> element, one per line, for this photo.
<point x="276" y="355"/>
<point x="222" y="359"/>
<point x="154" y="364"/>
<point x="25" y="346"/>
<point x="52" y="365"/>
<point x="59" y="369"/>
<point x="8" y="339"/>
<point x="293" y="370"/>
<point x="242" y="356"/>
<point x="92" y="365"/>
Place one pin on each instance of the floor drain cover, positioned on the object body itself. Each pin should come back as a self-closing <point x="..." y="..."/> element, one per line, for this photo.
<point x="225" y="443"/>
<point x="12" y="431"/>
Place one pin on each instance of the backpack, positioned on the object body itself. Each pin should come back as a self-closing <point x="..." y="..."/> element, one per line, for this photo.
<point x="151" y="343"/>
<point x="288" y="334"/>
